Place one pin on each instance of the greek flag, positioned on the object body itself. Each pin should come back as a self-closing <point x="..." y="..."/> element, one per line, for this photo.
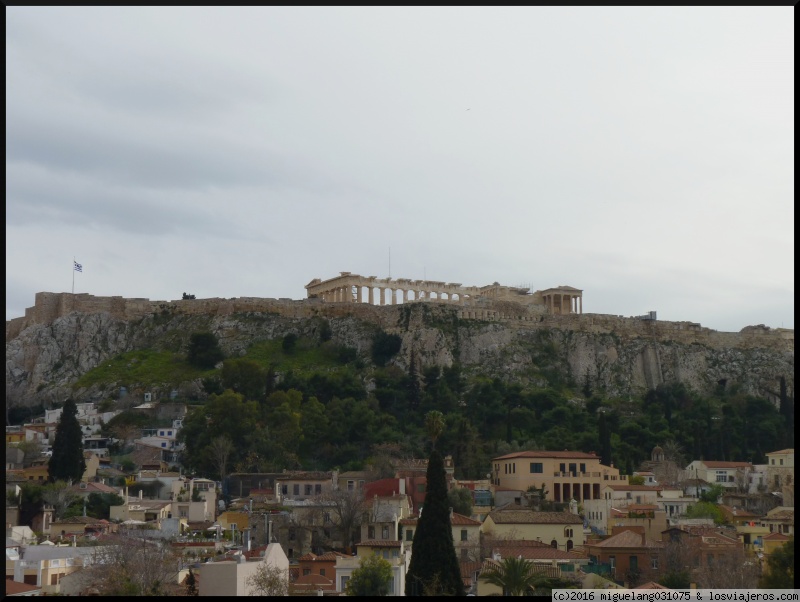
<point x="78" y="267"/>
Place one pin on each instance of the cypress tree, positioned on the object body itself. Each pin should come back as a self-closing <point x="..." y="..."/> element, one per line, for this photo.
<point x="434" y="567"/>
<point x="67" y="462"/>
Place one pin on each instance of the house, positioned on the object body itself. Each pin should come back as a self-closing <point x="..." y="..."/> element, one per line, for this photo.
<point x="45" y="566"/>
<point x="737" y="516"/>
<point x="538" y="552"/>
<point x="731" y="475"/>
<point x="395" y="552"/>
<point x="673" y="502"/>
<point x="316" y="573"/>
<point x="231" y="577"/>
<point x="630" y="556"/>
<point x="772" y="543"/>
<point x="780" y="520"/>
<point x="704" y="545"/>
<point x="561" y="530"/>
<point x="165" y="478"/>
<point x="354" y="479"/>
<point x="565" y="475"/>
<point x="139" y="509"/>
<point x="79" y="526"/>
<point x="651" y="518"/>
<point x="382" y="519"/>
<point x="301" y="485"/>
<point x="619" y="496"/>
<point x="780" y="474"/>
<point x="649" y="478"/>
<point x="85" y="489"/>
<point x="466" y="535"/>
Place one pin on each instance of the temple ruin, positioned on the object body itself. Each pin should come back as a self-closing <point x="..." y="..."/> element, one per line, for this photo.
<point x="352" y="288"/>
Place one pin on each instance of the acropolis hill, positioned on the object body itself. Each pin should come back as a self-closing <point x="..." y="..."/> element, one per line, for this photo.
<point x="560" y="306"/>
<point x="492" y="327"/>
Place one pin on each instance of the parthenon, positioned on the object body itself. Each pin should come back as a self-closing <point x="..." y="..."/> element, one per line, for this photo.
<point x="350" y="288"/>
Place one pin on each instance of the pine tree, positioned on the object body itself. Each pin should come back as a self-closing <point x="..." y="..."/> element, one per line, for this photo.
<point x="434" y="562"/>
<point x="67" y="462"/>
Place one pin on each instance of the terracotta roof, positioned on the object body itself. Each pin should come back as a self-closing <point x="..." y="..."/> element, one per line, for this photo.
<point x="530" y="517"/>
<point x="548" y="454"/>
<point x="650" y="585"/>
<point x="93" y="488"/>
<point x="783" y="451"/>
<point x="544" y="552"/>
<point x="626" y="539"/>
<point x="547" y="570"/>
<point x="19" y="588"/>
<point x="518" y="543"/>
<point x="460" y="519"/>
<point x="738" y="512"/>
<point x="313" y="581"/>
<point x="469" y="567"/>
<point x="380" y="543"/>
<point x="776" y="537"/>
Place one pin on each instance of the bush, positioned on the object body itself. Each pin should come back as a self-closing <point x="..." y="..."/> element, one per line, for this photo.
<point x="204" y="350"/>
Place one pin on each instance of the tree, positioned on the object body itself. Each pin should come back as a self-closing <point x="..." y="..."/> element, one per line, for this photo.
<point x="128" y="566"/>
<point x="221" y="448"/>
<point x="780" y="568"/>
<point x="706" y="510"/>
<point x="348" y="509"/>
<point x="191" y="584"/>
<point x="460" y="500"/>
<point x="636" y="480"/>
<point x="67" y="462"/>
<point x="31" y="450"/>
<point x="515" y="576"/>
<point x="384" y="347"/>
<point x="434" y="425"/>
<point x="434" y="558"/>
<point x="713" y="494"/>
<point x="60" y="496"/>
<point x="269" y="580"/>
<point x="204" y="350"/>
<point x="371" y="578"/>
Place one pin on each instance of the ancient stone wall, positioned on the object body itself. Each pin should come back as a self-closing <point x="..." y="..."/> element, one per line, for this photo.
<point x="51" y="306"/>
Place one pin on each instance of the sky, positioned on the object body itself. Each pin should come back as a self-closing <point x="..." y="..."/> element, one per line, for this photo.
<point x="643" y="155"/>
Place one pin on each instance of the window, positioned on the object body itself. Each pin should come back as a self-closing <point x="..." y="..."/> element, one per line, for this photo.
<point x="351" y="485"/>
<point x="562" y="468"/>
<point x="583" y="468"/>
<point x="296" y="489"/>
<point x="284" y="489"/>
<point x="554" y="544"/>
<point x="292" y="534"/>
<point x="317" y="488"/>
<point x="322" y="572"/>
<point x="361" y="484"/>
<point x="409" y="535"/>
<point x="161" y="433"/>
<point x="343" y="582"/>
<point x="638" y="499"/>
<point x="306" y="571"/>
<point x="385" y="532"/>
<point x="537" y="468"/>
<point x="308" y="489"/>
<point x="370" y="532"/>
<point x="634" y="563"/>
<point x="163" y="445"/>
<point x="654" y="562"/>
<point x="573" y="468"/>
<point x="721" y="476"/>
<point x="612" y="561"/>
<point x="391" y="587"/>
<point x="464" y="535"/>
<point x="781" y="461"/>
<point x="772" y="461"/>
<point x="326" y="517"/>
<point x="710" y="559"/>
<point x="568" y="532"/>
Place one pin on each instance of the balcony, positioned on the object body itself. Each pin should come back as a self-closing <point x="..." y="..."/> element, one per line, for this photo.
<point x="576" y="475"/>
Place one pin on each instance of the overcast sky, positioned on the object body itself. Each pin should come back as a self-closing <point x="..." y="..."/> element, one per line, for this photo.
<point x="643" y="155"/>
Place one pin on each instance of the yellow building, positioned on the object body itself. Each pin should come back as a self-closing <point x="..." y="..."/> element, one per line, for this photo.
<point x="561" y="530"/>
<point x="566" y="475"/>
<point x="772" y="543"/>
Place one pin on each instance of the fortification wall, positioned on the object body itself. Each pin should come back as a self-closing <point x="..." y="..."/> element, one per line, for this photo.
<point x="51" y="306"/>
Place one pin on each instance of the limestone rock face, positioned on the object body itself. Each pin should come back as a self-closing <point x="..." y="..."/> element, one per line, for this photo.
<point x="43" y="360"/>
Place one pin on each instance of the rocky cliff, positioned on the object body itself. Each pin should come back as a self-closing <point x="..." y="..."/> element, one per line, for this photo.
<point x="49" y="349"/>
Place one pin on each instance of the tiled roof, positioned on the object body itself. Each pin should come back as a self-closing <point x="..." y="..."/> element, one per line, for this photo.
<point x="776" y="537"/>
<point x="529" y="517"/>
<point x="313" y="581"/>
<point x="782" y="451"/>
<point x="738" y="512"/>
<point x="519" y="543"/>
<point x="461" y="520"/>
<point x="547" y="570"/>
<point x="18" y="588"/>
<point x="626" y="539"/>
<point x="548" y="454"/>
<point x="534" y="553"/>
<point x="380" y="543"/>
